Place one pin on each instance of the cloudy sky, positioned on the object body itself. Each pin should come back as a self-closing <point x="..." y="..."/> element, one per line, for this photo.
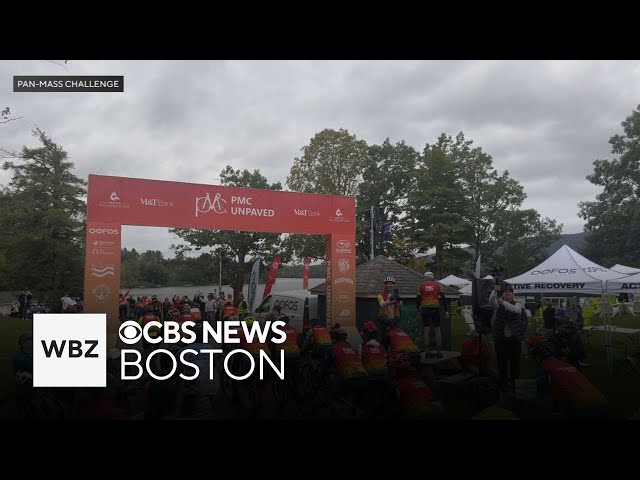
<point x="544" y="121"/>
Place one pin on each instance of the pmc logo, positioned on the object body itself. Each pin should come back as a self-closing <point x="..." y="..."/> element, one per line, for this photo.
<point x="205" y="204"/>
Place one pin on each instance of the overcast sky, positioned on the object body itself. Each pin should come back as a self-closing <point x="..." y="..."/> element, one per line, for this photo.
<point x="544" y="121"/>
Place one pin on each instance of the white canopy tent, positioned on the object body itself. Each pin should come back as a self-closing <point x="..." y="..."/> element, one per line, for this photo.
<point x="628" y="284"/>
<point x="566" y="271"/>
<point x="454" y="281"/>
<point x="624" y="269"/>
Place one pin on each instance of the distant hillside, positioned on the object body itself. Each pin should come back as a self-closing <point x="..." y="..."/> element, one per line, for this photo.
<point x="576" y="241"/>
<point x="295" y="271"/>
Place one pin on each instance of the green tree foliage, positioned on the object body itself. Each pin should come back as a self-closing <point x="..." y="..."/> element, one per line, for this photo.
<point x="613" y="220"/>
<point x="386" y="183"/>
<point x="435" y="211"/>
<point x="42" y="218"/>
<point x="525" y="237"/>
<point x="331" y="164"/>
<point x="235" y="244"/>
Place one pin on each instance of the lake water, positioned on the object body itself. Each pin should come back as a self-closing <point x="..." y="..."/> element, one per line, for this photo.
<point x="281" y="285"/>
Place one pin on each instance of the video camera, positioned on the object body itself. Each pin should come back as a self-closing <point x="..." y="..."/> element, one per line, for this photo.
<point x="395" y="295"/>
<point x="497" y="274"/>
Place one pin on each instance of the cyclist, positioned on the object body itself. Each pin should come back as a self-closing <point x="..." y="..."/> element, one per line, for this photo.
<point x="395" y="338"/>
<point x="154" y="332"/>
<point x="254" y="347"/>
<point x="290" y="345"/>
<point x="569" y="389"/>
<point x="388" y="303"/>
<point x="344" y="364"/>
<point x="243" y="307"/>
<point x="205" y="383"/>
<point x="318" y="340"/>
<point x="229" y="311"/>
<point x="372" y="353"/>
<point x="428" y="301"/>
<point x="413" y="397"/>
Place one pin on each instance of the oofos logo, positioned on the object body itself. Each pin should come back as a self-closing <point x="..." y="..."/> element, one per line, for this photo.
<point x="103" y="231"/>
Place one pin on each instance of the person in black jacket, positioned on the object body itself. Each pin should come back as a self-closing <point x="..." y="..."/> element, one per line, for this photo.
<point x="549" y="319"/>
<point x="508" y="333"/>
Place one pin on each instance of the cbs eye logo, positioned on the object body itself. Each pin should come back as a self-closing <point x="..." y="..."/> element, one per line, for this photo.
<point x="130" y="332"/>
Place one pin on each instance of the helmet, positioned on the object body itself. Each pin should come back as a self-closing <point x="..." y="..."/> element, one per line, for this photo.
<point x="249" y="320"/>
<point x="389" y="279"/>
<point x="339" y="334"/>
<point x="173" y="313"/>
<point x="429" y="275"/>
<point x="186" y="308"/>
<point x="369" y="329"/>
<point x="284" y="318"/>
<point x="399" y="359"/>
<point x="533" y="340"/>
<point x="154" y="297"/>
<point x="538" y="346"/>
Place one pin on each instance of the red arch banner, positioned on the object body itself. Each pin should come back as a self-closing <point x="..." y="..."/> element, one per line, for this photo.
<point x="116" y="201"/>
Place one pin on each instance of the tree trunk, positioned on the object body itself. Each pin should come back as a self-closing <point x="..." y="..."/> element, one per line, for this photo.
<point x="439" y="259"/>
<point x="238" y="278"/>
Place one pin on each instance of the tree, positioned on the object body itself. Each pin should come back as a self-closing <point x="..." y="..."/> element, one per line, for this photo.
<point x="331" y="164"/>
<point x="488" y="195"/>
<point x="235" y="244"/>
<point x="386" y="183"/>
<point x="613" y="220"/>
<point x="6" y="117"/>
<point x="525" y="240"/>
<point x="435" y="210"/>
<point x="43" y="220"/>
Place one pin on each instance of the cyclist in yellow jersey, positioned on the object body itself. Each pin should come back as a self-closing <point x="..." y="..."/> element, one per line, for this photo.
<point x="243" y="307"/>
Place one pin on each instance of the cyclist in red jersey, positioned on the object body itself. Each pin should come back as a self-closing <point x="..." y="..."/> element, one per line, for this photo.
<point x="372" y="353"/>
<point x="344" y="364"/>
<point x="229" y="311"/>
<point x="413" y="397"/>
<point x="428" y="301"/>
<point x="570" y="391"/>
<point x="395" y="338"/>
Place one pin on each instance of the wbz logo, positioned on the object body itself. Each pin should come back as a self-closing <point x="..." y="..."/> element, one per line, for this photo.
<point x="69" y="350"/>
<point x="74" y="348"/>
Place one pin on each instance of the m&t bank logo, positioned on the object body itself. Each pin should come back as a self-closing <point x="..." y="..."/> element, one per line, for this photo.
<point x="69" y="350"/>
